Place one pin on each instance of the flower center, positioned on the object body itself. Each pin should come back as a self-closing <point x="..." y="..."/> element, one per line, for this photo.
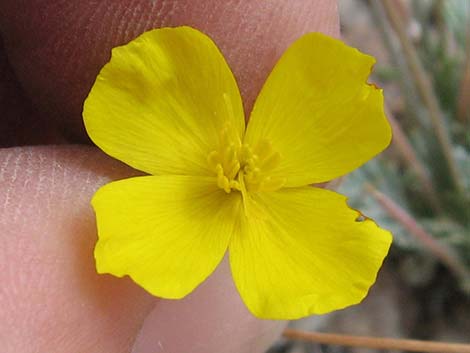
<point x="242" y="167"/>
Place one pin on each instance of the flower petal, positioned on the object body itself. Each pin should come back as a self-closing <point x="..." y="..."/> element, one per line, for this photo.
<point x="304" y="252"/>
<point x="161" y="102"/>
<point x="318" y="112"/>
<point x="168" y="233"/>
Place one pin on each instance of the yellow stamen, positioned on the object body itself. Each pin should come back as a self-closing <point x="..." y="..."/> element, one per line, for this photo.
<point x="233" y="162"/>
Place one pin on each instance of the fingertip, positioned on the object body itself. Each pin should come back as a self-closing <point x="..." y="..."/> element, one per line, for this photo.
<point x="51" y="298"/>
<point x="57" y="50"/>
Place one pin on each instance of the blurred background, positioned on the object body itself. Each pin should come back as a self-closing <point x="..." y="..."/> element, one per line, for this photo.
<point x="420" y="187"/>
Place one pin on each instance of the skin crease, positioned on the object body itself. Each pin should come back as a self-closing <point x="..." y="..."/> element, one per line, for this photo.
<point x="51" y="299"/>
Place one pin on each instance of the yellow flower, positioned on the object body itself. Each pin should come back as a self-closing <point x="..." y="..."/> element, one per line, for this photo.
<point x="167" y="104"/>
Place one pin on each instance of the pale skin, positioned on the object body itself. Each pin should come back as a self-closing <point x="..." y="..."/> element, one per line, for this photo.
<point x="51" y="299"/>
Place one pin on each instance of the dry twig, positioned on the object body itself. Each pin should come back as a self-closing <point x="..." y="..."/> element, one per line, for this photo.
<point x="439" y="250"/>
<point x="425" y="89"/>
<point x="377" y="342"/>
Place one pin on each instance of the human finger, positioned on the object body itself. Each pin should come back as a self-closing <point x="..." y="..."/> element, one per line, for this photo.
<point x="52" y="299"/>
<point x="57" y="47"/>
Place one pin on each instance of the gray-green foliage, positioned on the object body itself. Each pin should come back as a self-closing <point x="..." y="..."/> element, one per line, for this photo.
<point x="443" y="55"/>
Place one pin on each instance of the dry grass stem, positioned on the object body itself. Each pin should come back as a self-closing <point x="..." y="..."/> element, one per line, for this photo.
<point x="440" y="251"/>
<point x="463" y="103"/>
<point x="377" y="342"/>
<point x="425" y="90"/>
<point x="407" y="85"/>
<point x="408" y="155"/>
